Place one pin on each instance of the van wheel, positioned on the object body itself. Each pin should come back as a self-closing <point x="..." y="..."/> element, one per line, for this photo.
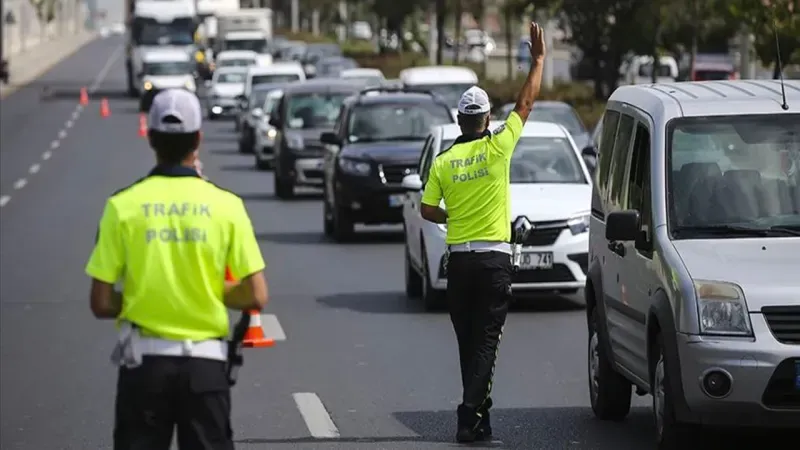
<point x="413" y="280"/>
<point x="670" y="434"/>
<point x="609" y="392"/>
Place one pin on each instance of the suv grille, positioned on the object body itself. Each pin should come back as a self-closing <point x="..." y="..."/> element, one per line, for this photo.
<point x="784" y="322"/>
<point x="394" y="174"/>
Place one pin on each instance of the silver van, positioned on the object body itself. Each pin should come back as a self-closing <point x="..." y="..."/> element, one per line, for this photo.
<point x="693" y="290"/>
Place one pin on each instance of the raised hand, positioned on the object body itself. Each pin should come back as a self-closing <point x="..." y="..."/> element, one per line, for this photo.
<point x="536" y="43"/>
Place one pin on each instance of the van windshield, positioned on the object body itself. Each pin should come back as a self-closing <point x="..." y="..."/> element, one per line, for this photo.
<point x="734" y="174"/>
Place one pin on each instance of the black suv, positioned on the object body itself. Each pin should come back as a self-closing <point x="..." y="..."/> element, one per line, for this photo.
<point x="305" y="111"/>
<point x="377" y="141"/>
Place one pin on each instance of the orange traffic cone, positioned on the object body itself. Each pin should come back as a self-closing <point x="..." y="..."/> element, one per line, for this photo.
<point x="143" y="130"/>
<point x="104" y="111"/>
<point x="84" y="97"/>
<point x="255" y="334"/>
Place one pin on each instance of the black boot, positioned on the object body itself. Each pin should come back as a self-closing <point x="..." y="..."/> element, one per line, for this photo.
<point x="484" y="431"/>
<point x="468" y="421"/>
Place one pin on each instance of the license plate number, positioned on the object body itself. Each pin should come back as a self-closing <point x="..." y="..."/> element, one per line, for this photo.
<point x="396" y="200"/>
<point x="536" y="260"/>
<point x="797" y="375"/>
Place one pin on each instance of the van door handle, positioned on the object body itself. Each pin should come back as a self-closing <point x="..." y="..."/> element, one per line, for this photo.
<point x="617" y="248"/>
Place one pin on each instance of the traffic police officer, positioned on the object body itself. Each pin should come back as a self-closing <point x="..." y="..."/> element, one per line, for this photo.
<point x="167" y="239"/>
<point x="472" y="177"/>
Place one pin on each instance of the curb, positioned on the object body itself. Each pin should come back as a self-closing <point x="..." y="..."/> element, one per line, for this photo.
<point x="33" y="74"/>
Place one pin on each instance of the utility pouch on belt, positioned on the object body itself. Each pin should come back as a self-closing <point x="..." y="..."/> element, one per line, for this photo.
<point x="235" y="345"/>
<point x="128" y="352"/>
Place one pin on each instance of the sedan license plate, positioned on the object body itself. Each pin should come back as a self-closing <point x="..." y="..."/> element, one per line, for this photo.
<point x="536" y="260"/>
<point x="396" y="200"/>
<point x="797" y="375"/>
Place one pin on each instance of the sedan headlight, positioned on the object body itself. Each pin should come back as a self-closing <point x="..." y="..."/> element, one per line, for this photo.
<point x="354" y="167"/>
<point x="722" y="309"/>
<point x="579" y="223"/>
<point x="295" y="142"/>
<point x="148" y="85"/>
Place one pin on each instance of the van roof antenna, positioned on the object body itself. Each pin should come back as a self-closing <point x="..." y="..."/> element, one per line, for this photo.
<point x="784" y="105"/>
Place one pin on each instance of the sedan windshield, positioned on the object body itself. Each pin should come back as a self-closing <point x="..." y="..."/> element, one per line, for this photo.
<point x="450" y="93"/>
<point x="168" y="68"/>
<point x="392" y="122"/>
<point x="563" y="115"/>
<point x="307" y="111"/>
<point x="275" y="78"/>
<point x="231" y="78"/>
<point x="734" y="172"/>
<point x="237" y="62"/>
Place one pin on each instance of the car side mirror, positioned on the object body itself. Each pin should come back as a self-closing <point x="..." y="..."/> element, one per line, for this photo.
<point x="275" y="122"/>
<point x="622" y="226"/>
<point x="589" y="150"/>
<point x="329" y="138"/>
<point x="257" y="112"/>
<point x="412" y="182"/>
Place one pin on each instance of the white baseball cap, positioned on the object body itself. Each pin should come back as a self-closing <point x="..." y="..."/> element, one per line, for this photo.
<point x="175" y="111"/>
<point x="474" y="101"/>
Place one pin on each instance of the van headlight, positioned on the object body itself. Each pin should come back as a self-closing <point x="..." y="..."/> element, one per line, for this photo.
<point x="579" y="223"/>
<point x="354" y="167"/>
<point x="722" y="309"/>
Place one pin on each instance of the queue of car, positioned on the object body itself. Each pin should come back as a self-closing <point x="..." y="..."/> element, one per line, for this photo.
<point x="677" y="215"/>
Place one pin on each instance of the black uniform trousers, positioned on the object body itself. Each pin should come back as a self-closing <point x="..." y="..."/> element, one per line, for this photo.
<point x="168" y="391"/>
<point x="478" y="296"/>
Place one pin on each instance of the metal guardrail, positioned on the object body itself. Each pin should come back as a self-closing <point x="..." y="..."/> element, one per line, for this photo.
<point x="26" y="25"/>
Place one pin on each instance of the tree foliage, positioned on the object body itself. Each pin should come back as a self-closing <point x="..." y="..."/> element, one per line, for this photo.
<point x="771" y="20"/>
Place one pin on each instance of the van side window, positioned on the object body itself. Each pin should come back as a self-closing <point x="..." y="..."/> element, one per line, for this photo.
<point x="639" y="185"/>
<point x="619" y="162"/>
<point x="605" y="154"/>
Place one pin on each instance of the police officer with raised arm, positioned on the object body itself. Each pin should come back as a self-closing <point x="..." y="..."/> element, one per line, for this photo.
<point x="472" y="177"/>
<point x="167" y="239"/>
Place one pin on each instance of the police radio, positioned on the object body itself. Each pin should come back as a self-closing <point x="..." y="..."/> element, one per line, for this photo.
<point x="520" y="230"/>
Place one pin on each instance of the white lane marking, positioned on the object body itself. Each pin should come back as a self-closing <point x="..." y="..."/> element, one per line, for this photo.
<point x="62" y="134"/>
<point x="54" y="145"/>
<point x="317" y="419"/>
<point x="78" y="109"/>
<point x="34" y="169"/>
<point x="3" y="200"/>
<point x="272" y="328"/>
<point x="68" y="124"/>
<point x="19" y="184"/>
<point x="76" y="114"/>
<point x="101" y="76"/>
<point x="46" y="155"/>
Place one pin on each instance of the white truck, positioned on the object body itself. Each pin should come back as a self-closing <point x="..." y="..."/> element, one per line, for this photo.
<point x="246" y="29"/>
<point x="157" y="23"/>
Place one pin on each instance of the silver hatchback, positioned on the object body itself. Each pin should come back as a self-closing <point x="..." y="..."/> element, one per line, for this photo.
<point x="693" y="290"/>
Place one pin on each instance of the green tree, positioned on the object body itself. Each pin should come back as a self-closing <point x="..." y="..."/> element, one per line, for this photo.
<point x="771" y="21"/>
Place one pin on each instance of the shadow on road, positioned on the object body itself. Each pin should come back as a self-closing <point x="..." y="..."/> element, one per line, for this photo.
<point x="542" y="428"/>
<point x="542" y="303"/>
<point x="373" y="302"/>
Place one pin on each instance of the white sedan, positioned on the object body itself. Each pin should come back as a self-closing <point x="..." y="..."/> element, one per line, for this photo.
<point x="265" y="133"/>
<point x="550" y="185"/>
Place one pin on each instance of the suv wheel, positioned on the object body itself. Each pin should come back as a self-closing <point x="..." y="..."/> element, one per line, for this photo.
<point x="431" y="298"/>
<point x="670" y="434"/>
<point x="283" y="188"/>
<point x="413" y="280"/>
<point x="610" y="393"/>
<point x="342" y="224"/>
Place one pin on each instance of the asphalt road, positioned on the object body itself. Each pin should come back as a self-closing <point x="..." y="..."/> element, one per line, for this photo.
<point x="372" y="370"/>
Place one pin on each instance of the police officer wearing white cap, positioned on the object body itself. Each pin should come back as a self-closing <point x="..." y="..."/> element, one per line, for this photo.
<point x="168" y="239"/>
<point x="472" y="179"/>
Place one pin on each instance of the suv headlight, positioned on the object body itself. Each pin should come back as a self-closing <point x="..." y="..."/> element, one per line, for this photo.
<point x="722" y="309"/>
<point x="579" y="223"/>
<point x="354" y="167"/>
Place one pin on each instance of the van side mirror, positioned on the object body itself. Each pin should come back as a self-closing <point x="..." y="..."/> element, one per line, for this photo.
<point x="412" y="182"/>
<point x="589" y="150"/>
<point x="329" y="138"/>
<point x="275" y="122"/>
<point x="622" y="226"/>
